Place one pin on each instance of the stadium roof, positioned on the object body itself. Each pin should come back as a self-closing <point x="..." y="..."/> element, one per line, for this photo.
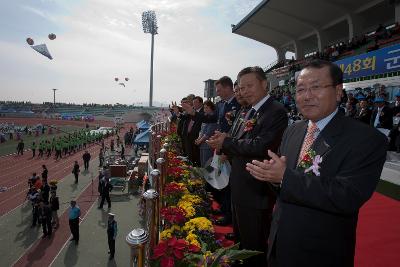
<point x="309" y="25"/>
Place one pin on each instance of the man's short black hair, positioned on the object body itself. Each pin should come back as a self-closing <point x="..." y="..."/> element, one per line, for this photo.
<point x="225" y="81"/>
<point x="334" y="70"/>
<point x="199" y="98"/>
<point x="258" y="71"/>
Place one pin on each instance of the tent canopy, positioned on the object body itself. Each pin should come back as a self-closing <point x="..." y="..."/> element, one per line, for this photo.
<point x="142" y="138"/>
<point x="143" y="125"/>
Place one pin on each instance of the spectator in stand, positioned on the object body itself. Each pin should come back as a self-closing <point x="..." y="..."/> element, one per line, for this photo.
<point x="192" y="132"/>
<point x="207" y="130"/>
<point x="350" y="110"/>
<point x="75" y="171"/>
<point x="382" y="116"/>
<point x="86" y="158"/>
<point x="20" y="147"/>
<point x="396" y="107"/>
<point x="352" y="100"/>
<point x="364" y="113"/>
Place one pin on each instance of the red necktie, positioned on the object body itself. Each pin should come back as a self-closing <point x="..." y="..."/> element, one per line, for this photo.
<point x="308" y="140"/>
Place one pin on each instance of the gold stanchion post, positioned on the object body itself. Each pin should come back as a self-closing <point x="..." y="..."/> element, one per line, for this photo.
<point x="137" y="240"/>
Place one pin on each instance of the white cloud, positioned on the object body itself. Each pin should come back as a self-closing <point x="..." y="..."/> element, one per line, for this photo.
<point x="103" y="39"/>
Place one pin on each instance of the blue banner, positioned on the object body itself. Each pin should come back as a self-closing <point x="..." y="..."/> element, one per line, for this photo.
<point x="376" y="62"/>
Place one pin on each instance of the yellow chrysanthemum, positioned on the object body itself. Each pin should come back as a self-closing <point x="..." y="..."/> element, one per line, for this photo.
<point x="192" y="239"/>
<point x="166" y="234"/>
<point x="199" y="223"/>
<point x="188" y="208"/>
<point x="191" y="198"/>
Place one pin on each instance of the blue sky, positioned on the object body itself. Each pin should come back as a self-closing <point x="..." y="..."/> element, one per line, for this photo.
<point x="98" y="40"/>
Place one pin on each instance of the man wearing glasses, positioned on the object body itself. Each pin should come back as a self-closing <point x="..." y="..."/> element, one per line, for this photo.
<point x="329" y="166"/>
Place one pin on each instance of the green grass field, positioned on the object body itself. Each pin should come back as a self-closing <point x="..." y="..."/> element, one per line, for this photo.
<point x="10" y="146"/>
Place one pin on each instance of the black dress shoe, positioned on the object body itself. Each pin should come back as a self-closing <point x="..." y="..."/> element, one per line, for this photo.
<point x="230" y="236"/>
<point x="223" y="221"/>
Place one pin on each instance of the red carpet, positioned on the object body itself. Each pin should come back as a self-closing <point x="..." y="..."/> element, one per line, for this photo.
<point x="378" y="233"/>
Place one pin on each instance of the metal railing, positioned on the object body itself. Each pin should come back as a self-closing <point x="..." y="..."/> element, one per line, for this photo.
<point x="141" y="241"/>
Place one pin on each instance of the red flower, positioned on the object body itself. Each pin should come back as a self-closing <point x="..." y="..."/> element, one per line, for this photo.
<point x="160" y="250"/>
<point x="167" y="262"/>
<point x="170" y="250"/>
<point x="173" y="215"/>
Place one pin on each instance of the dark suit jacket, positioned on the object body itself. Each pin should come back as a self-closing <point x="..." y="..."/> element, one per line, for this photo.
<point x="364" y="116"/>
<point x="385" y="120"/>
<point x="270" y="124"/>
<point x="219" y="115"/>
<point x="315" y="217"/>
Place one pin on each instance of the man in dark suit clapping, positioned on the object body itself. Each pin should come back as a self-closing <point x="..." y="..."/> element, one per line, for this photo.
<point x="328" y="168"/>
<point x="262" y="129"/>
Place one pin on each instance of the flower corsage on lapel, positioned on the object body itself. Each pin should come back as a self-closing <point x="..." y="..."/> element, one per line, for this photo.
<point x="249" y="124"/>
<point x="310" y="162"/>
<point x="230" y="116"/>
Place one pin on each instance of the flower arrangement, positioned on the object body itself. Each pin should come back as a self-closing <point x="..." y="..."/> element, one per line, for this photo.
<point x="188" y="237"/>
<point x="200" y="224"/>
<point x="230" y="116"/>
<point x="249" y="124"/>
<point x="173" y="192"/>
<point x="171" y="252"/>
<point x="310" y="162"/>
<point x="173" y="215"/>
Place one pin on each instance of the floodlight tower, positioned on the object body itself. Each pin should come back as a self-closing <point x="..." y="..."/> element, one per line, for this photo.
<point x="149" y="22"/>
<point x="54" y="97"/>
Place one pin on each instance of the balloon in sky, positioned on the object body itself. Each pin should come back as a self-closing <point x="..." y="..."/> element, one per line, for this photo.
<point x="52" y="36"/>
<point x="41" y="48"/>
<point x="30" y="41"/>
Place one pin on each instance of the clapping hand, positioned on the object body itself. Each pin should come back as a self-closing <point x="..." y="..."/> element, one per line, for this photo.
<point x="268" y="170"/>
<point x="217" y="140"/>
<point x="175" y="108"/>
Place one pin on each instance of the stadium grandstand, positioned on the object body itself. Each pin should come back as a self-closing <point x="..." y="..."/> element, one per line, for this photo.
<point x="362" y="37"/>
<point x="72" y="111"/>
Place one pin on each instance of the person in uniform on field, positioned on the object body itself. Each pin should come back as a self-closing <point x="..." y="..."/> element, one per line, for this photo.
<point x="86" y="158"/>
<point x="20" y="147"/>
<point x="33" y="148"/>
<point x="76" y="171"/>
<point x="45" y="218"/>
<point x="105" y="188"/>
<point x="74" y="213"/>
<point x="112" y="230"/>
<point x="55" y="206"/>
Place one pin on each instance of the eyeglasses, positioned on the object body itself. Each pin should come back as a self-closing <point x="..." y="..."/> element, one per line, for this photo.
<point x="313" y="89"/>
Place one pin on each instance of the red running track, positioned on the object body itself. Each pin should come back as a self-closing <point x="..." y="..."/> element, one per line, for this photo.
<point x="44" y="251"/>
<point x="17" y="169"/>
